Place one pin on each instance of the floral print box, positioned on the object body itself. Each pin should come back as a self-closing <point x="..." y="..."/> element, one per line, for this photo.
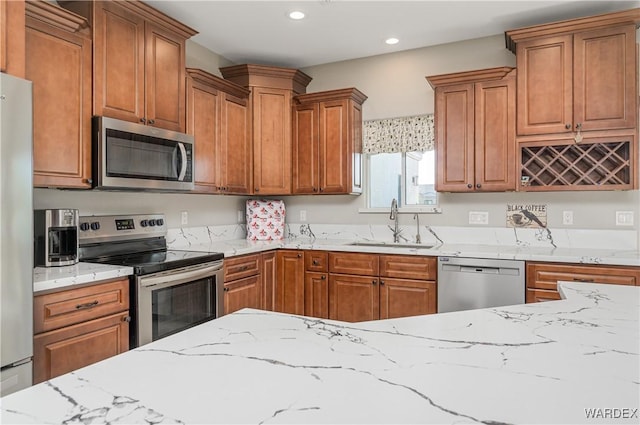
<point x="265" y="220"/>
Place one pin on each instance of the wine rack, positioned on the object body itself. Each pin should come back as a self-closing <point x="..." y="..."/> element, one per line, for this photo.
<point x="572" y="166"/>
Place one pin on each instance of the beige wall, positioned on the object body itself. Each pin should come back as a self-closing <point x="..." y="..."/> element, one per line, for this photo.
<point x="396" y="86"/>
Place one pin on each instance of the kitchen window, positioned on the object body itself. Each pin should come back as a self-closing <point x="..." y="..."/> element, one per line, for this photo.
<point x="400" y="164"/>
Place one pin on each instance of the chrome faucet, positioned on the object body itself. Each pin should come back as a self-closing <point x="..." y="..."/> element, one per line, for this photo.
<point x="417" y="217"/>
<point x="394" y="216"/>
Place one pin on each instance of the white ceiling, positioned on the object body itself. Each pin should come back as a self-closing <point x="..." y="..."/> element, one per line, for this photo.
<point x="260" y="31"/>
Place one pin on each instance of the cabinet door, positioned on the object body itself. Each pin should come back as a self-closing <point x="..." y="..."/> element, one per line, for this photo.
<point x="4" y="33"/>
<point x="242" y="293"/>
<point x="164" y="78"/>
<point x="59" y="64"/>
<point x="353" y="298"/>
<point x="235" y="146"/>
<point x="271" y="141"/>
<point x="66" y="349"/>
<point x="203" y="123"/>
<point x="495" y="135"/>
<point x="306" y="149"/>
<point x="545" y="85"/>
<point x="335" y="149"/>
<point x="404" y="297"/>
<point x="289" y="288"/>
<point x="316" y="295"/>
<point x="455" y="138"/>
<point x="605" y="78"/>
<point x="269" y="276"/>
<point x="118" y="86"/>
<point x="12" y="37"/>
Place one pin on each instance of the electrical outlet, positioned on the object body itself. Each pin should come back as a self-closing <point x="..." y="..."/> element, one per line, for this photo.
<point x="240" y="216"/>
<point x="567" y="218"/>
<point x="478" y="217"/>
<point x="184" y="218"/>
<point x="303" y="215"/>
<point x="624" y="218"/>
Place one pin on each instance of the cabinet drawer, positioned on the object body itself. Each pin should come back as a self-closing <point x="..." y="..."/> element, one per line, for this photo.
<point x="316" y="261"/>
<point x="408" y="267"/>
<point x="70" y="348"/>
<point x="353" y="263"/>
<point x="64" y="308"/>
<point x="239" y="267"/>
<point x="541" y="295"/>
<point x="546" y="276"/>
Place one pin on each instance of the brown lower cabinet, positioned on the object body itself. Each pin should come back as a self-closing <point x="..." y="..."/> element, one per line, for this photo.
<point x="78" y="327"/>
<point x="249" y="281"/>
<point x="543" y="278"/>
<point x="289" y="286"/>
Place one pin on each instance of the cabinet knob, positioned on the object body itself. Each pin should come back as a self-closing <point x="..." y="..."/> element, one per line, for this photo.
<point x="478" y="186"/>
<point x="323" y="277"/>
<point x="315" y="189"/>
<point x="152" y="122"/>
<point x="143" y="120"/>
<point x="321" y="189"/>
<point x="315" y="262"/>
<point x="299" y="255"/>
<point x="88" y="181"/>
<point x="225" y="289"/>
<point x="469" y="186"/>
<point x="126" y="319"/>
<point x="567" y="126"/>
<point x="381" y="282"/>
<point x="578" y="126"/>
<point x="373" y="282"/>
<point x="257" y="189"/>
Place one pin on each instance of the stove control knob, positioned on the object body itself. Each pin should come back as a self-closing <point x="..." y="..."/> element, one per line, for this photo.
<point x="144" y="223"/>
<point x="84" y="227"/>
<point x="95" y="225"/>
<point x="159" y="222"/>
<point x="152" y="222"/>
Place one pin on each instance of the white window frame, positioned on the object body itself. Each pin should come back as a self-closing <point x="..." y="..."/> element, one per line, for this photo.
<point x="402" y="209"/>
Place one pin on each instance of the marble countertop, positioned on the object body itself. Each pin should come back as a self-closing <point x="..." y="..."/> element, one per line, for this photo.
<point x="553" y="362"/>
<point x="53" y="278"/>
<point x="237" y="247"/>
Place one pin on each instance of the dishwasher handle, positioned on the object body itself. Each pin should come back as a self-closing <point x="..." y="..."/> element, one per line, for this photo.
<point x="483" y="270"/>
<point x="453" y="268"/>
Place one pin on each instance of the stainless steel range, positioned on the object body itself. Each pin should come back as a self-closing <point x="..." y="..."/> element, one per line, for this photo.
<point x="171" y="290"/>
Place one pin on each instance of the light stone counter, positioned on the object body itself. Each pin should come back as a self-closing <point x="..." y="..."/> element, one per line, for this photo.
<point x="554" y="362"/>
<point x="52" y="278"/>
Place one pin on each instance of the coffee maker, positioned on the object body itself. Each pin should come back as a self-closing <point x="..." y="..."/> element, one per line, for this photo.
<point x="56" y="237"/>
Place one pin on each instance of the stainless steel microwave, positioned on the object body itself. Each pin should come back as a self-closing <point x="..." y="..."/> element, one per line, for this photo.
<point x="127" y="155"/>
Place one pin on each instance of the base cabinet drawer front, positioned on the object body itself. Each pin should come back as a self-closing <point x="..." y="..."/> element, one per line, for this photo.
<point x="64" y="350"/>
<point x="353" y="298"/>
<point x="541" y="295"/>
<point x="408" y="267"/>
<point x="403" y="298"/>
<point x="241" y="267"/>
<point x="243" y="293"/>
<point x="316" y="261"/>
<point x="546" y="276"/>
<point x="65" y="308"/>
<point x="353" y="263"/>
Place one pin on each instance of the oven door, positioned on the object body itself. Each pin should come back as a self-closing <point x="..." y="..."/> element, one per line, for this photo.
<point x="172" y="301"/>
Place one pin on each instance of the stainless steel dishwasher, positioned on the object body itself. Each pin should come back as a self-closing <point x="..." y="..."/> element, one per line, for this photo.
<point x="470" y="283"/>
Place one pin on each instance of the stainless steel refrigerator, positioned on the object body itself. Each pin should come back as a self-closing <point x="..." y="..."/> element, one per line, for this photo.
<point x="16" y="233"/>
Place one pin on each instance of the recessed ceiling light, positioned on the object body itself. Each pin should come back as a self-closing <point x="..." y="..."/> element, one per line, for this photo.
<point x="296" y="15"/>
<point x="392" y="40"/>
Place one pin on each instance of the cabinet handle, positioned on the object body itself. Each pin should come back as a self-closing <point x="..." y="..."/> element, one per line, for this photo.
<point x="315" y="262"/>
<point x="321" y="189"/>
<point x="315" y="189"/>
<point x="323" y="277"/>
<point x="257" y="189"/>
<point x="88" y="181"/>
<point x="567" y="126"/>
<point x="152" y="121"/>
<point x="299" y="255"/>
<point x="578" y="279"/>
<point x="469" y="186"/>
<point x="225" y="289"/>
<point x="243" y="268"/>
<point x="126" y="319"/>
<point x="478" y="185"/>
<point x="87" y="305"/>
<point x="373" y="282"/>
<point x="143" y="120"/>
<point x="578" y="126"/>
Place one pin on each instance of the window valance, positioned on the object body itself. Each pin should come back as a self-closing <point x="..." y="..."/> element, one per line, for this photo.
<point x="404" y="134"/>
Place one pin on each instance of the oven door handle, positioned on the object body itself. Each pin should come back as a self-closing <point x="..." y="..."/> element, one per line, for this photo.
<point x="171" y="279"/>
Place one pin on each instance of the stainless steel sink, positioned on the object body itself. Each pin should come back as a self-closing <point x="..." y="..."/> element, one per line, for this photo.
<point x="392" y="245"/>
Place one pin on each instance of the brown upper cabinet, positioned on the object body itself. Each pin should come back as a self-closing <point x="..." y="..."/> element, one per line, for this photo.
<point x="577" y="75"/>
<point x="138" y="62"/>
<point x="327" y="142"/>
<point x="272" y="89"/>
<point x="12" y="37"/>
<point x="475" y="130"/>
<point x="218" y="118"/>
<point x="58" y="62"/>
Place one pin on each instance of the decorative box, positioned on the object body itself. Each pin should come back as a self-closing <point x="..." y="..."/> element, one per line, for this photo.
<point x="265" y="220"/>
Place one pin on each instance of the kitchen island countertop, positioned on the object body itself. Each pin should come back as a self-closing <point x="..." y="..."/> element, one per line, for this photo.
<point x="553" y="362"/>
